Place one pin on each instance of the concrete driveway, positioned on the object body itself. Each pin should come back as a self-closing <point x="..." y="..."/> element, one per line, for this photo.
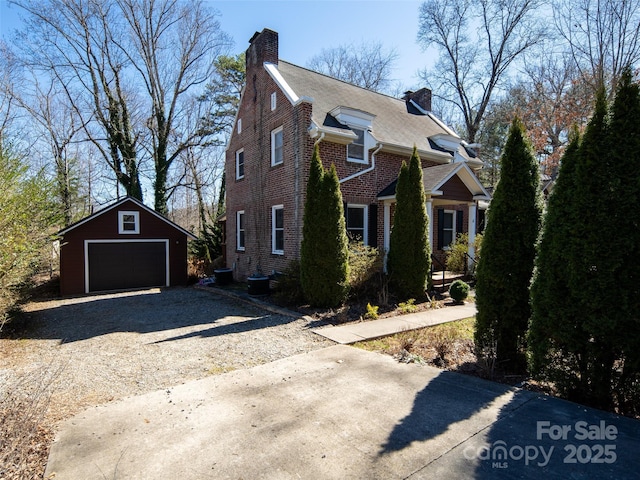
<point x="344" y="413"/>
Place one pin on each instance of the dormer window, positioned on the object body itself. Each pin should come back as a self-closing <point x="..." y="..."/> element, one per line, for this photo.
<point x="128" y="223"/>
<point x="356" y="150"/>
<point x="360" y="123"/>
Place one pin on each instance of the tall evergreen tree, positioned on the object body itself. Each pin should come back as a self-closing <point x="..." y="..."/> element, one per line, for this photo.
<point x="555" y="337"/>
<point x="592" y="276"/>
<point x="409" y="259"/>
<point x="508" y="251"/>
<point x="625" y="160"/>
<point x="324" y="254"/>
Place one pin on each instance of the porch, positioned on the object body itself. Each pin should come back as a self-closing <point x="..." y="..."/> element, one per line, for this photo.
<point x="455" y="203"/>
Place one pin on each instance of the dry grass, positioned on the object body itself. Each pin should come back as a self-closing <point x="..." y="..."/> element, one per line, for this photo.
<point x="25" y="436"/>
<point x="449" y="345"/>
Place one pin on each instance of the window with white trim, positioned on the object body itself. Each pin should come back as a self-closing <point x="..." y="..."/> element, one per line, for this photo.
<point x="240" y="164"/>
<point x="356" y="222"/>
<point x="360" y="123"/>
<point x="356" y="150"/>
<point x="448" y="228"/>
<point x="128" y="223"/>
<point x="273" y="101"/>
<point x="240" y="230"/>
<point x="277" y="230"/>
<point x="239" y="126"/>
<point x="277" y="155"/>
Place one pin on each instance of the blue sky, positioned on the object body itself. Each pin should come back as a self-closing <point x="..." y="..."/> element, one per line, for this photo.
<point x="305" y="27"/>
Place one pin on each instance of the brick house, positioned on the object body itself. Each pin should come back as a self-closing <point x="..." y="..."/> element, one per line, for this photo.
<point x="285" y="110"/>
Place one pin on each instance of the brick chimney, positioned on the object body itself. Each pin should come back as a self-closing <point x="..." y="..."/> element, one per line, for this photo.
<point x="263" y="48"/>
<point x="422" y="98"/>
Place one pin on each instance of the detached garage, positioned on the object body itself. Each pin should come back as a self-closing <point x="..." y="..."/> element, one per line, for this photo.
<point x="124" y="246"/>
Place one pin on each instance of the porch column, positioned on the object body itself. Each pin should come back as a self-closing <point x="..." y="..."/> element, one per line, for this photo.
<point x="386" y="229"/>
<point x="472" y="231"/>
<point x="430" y="226"/>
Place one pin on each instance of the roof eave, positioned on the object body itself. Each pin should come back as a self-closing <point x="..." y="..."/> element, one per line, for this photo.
<point x="432" y="155"/>
<point x="331" y="134"/>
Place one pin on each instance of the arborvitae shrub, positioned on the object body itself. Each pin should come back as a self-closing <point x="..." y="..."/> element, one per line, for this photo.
<point x="508" y="251"/>
<point x="409" y="258"/>
<point x="324" y="265"/>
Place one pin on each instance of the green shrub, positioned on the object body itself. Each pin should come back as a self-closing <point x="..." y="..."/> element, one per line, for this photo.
<point x="288" y="290"/>
<point x="409" y="257"/>
<point x="324" y="253"/>
<point x="456" y="256"/>
<point x="365" y="270"/>
<point x="409" y="306"/>
<point x="459" y="291"/>
<point x="372" y="311"/>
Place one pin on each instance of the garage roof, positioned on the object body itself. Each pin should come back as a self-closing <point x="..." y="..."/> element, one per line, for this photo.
<point x="118" y="204"/>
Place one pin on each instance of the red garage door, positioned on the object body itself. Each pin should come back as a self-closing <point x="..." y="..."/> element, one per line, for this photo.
<point x="125" y="265"/>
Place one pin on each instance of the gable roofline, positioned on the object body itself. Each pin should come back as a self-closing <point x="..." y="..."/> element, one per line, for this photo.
<point x="464" y="172"/>
<point x="435" y="177"/>
<point x="273" y="72"/>
<point x="116" y="205"/>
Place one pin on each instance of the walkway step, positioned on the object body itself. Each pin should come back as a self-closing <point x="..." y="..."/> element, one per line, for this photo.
<point x="368" y="330"/>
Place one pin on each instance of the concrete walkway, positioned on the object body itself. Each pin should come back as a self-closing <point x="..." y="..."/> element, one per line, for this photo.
<point x="357" y="332"/>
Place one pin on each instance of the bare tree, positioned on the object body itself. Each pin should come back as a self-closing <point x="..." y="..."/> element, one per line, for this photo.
<point x="49" y="111"/>
<point x="174" y="45"/>
<point x="603" y="37"/>
<point x="76" y="42"/>
<point x="127" y="65"/>
<point x="367" y="65"/>
<point x="478" y="40"/>
<point x="6" y="91"/>
<point x="553" y="97"/>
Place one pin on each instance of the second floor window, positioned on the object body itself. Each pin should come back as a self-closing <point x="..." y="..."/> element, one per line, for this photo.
<point x="276" y="147"/>
<point x="355" y="150"/>
<point x="239" y="164"/>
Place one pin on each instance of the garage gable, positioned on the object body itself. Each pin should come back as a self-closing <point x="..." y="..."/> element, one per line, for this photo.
<point x="119" y="218"/>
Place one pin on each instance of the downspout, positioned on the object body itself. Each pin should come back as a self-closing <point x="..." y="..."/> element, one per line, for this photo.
<point x="366" y="170"/>
<point x="322" y="134"/>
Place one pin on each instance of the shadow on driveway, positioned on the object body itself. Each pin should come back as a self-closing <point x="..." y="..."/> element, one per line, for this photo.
<point x="432" y="413"/>
<point x="144" y="311"/>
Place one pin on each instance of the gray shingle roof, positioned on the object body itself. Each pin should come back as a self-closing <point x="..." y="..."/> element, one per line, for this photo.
<point x="393" y="125"/>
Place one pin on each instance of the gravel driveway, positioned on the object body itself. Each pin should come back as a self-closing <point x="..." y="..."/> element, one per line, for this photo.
<point x="104" y="347"/>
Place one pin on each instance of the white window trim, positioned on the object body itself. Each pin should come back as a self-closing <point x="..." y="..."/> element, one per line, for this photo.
<point x="239" y="126"/>
<point x="238" y="247"/>
<point x="365" y="214"/>
<point x="274" y="208"/>
<point x="273" y="101"/>
<point x="453" y="213"/>
<point x="136" y="219"/>
<point x="238" y="152"/>
<point x="365" y="149"/>
<point x="274" y="132"/>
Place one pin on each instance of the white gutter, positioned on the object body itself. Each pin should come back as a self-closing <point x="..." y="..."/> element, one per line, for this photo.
<point x="366" y="170"/>
<point x="322" y="134"/>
